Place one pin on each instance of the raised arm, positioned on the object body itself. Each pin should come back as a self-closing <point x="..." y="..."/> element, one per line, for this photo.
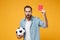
<point x="45" y="18"/>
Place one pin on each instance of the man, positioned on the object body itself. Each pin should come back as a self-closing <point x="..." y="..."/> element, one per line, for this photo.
<point x="31" y="24"/>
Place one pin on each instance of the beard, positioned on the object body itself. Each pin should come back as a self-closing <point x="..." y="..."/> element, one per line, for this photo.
<point x="28" y="16"/>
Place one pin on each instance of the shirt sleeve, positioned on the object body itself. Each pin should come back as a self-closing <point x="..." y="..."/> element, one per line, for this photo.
<point x="20" y="23"/>
<point x="40" y="23"/>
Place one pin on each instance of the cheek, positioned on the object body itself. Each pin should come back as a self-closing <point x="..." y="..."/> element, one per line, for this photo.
<point x="30" y="13"/>
<point x="26" y="13"/>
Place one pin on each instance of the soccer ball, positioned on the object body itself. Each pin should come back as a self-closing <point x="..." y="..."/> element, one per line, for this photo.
<point x="20" y="31"/>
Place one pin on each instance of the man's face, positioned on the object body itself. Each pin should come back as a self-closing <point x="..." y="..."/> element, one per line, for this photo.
<point x="28" y="12"/>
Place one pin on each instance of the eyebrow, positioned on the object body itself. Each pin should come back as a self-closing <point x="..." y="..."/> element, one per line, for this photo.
<point x="28" y="11"/>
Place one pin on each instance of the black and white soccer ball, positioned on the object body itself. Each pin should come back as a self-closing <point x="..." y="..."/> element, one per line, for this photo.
<point x="20" y="31"/>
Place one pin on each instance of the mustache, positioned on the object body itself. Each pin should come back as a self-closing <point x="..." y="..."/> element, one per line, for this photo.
<point x="28" y="15"/>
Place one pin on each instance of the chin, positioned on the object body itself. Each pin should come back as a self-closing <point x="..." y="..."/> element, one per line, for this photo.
<point x="28" y="16"/>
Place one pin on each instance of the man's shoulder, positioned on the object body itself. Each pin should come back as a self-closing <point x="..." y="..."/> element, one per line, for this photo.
<point x="36" y="18"/>
<point x="33" y="18"/>
<point x="22" y="19"/>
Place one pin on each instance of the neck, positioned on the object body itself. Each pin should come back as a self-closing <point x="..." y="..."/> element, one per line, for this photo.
<point x="28" y="19"/>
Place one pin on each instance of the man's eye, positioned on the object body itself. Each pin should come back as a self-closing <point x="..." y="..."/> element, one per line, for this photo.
<point x="28" y="11"/>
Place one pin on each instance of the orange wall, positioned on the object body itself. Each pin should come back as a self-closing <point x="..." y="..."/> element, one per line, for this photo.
<point x="11" y="13"/>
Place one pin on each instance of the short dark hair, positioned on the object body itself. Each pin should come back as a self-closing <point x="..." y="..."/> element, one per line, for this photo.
<point x="28" y="7"/>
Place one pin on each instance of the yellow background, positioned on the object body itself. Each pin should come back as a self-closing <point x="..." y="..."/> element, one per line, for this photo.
<point x="12" y="11"/>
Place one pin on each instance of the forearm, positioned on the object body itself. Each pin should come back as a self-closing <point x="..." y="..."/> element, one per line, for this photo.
<point x="45" y="20"/>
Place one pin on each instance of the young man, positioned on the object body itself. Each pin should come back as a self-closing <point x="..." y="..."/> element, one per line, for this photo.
<point x="31" y="24"/>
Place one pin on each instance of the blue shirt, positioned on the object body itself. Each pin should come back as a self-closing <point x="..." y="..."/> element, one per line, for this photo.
<point x="34" y="28"/>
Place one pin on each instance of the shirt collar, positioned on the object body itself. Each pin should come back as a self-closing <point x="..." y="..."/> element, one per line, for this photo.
<point x="31" y="18"/>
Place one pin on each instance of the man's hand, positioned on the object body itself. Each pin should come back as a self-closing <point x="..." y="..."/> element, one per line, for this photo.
<point x="43" y="12"/>
<point x="19" y="36"/>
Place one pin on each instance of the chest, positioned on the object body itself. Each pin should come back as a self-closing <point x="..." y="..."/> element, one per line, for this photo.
<point x="27" y="25"/>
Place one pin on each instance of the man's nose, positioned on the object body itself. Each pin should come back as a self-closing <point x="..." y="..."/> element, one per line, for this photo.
<point x="27" y="12"/>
